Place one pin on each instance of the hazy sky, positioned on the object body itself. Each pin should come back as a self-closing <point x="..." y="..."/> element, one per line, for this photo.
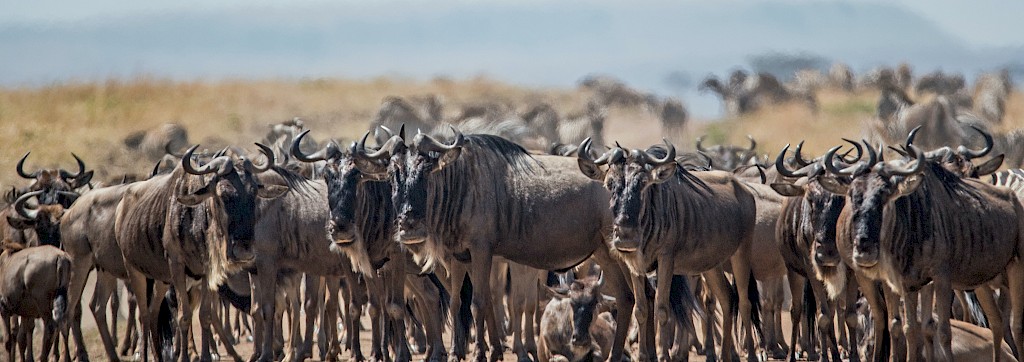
<point x="980" y="22"/>
<point x="531" y="42"/>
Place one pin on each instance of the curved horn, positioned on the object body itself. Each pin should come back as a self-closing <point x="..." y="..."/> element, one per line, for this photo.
<point x="81" y="169"/>
<point x="432" y="145"/>
<point x="872" y="154"/>
<point x="324" y="154"/>
<point x="670" y="156"/>
<point x="186" y="163"/>
<point x="156" y="169"/>
<point x="384" y="151"/>
<point x="387" y="131"/>
<point x="969" y="153"/>
<point x="830" y="165"/>
<point x="911" y="136"/>
<point x="699" y="147"/>
<point x="753" y="144"/>
<point x="21" y="168"/>
<point x="798" y="156"/>
<point x="19" y="205"/>
<point x="780" y="164"/>
<point x="856" y="146"/>
<point x="269" y="153"/>
<point x="902" y="171"/>
<point x="583" y="152"/>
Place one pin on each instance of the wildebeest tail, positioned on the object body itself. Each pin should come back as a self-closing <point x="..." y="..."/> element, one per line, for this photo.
<point x="684" y="304"/>
<point x="443" y="295"/>
<point x="974" y="308"/>
<point x="243" y="303"/>
<point x="810" y="307"/>
<point x="165" y="324"/>
<point x="754" y="296"/>
<point x="60" y="300"/>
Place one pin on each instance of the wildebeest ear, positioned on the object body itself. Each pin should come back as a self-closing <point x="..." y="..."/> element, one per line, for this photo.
<point x="832" y="185"/>
<point x="198" y="196"/>
<point x="83" y="179"/>
<point x="591" y="169"/>
<point x="990" y="166"/>
<point x="664" y="172"/>
<point x="789" y="190"/>
<point x="557" y="292"/>
<point x="19" y="223"/>
<point x="271" y="191"/>
<point x="447" y="158"/>
<point x="908" y="186"/>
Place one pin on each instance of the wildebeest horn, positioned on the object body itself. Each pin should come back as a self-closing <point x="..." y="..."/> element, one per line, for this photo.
<point x="583" y="152"/>
<point x="911" y="136"/>
<point x="830" y="164"/>
<point x="384" y="151"/>
<point x="899" y="151"/>
<point x="19" y="205"/>
<point x="780" y="164"/>
<point x="269" y="153"/>
<point x="156" y="168"/>
<point x="64" y="174"/>
<point x="872" y="154"/>
<point x="670" y="156"/>
<point x="326" y="153"/>
<point x="902" y="171"/>
<point x="432" y="145"/>
<point x="699" y="147"/>
<point x="387" y="131"/>
<point x="600" y="279"/>
<point x="856" y="146"/>
<point x="753" y="144"/>
<point x="21" y="168"/>
<point x="969" y="153"/>
<point x="213" y="166"/>
<point x="798" y="156"/>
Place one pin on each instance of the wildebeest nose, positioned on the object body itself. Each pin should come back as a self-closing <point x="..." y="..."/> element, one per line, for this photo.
<point x="866" y="258"/>
<point x="826" y="259"/>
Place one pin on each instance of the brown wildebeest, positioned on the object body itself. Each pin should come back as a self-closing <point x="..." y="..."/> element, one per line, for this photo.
<point x="673" y="116"/>
<point x="680" y="223"/>
<point x="185" y="226"/>
<point x="361" y="225"/>
<point x="44" y="220"/>
<point x="55" y="183"/>
<point x="908" y="226"/>
<point x="481" y="195"/>
<point x="33" y="284"/>
<point x="573" y="325"/>
<point x="806" y="232"/>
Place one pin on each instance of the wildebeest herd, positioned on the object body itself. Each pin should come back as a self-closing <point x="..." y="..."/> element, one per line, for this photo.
<point x="532" y="226"/>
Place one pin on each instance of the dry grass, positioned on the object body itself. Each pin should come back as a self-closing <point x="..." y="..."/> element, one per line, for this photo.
<point x="91" y="119"/>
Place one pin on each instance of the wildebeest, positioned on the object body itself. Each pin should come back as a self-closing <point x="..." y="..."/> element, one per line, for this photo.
<point x="33" y="284"/>
<point x="151" y="143"/>
<point x="911" y="225"/>
<point x="746" y="94"/>
<point x="673" y="117"/>
<point x="43" y="220"/>
<point x="612" y="92"/>
<point x="679" y="223"/>
<point x="940" y="83"/>
<point x="396" y="112"/>
<point x="728" y="157"/>
<point x="481" y="195"/>
<point x="588" y="123"/>
<point x="990" y="95"/>
<point x="841" y="77"/>
<point x="573" y="325"/>
<point x="361" y="225"/>
<point x="59" y="186"/>
<point x="186" y="226"/>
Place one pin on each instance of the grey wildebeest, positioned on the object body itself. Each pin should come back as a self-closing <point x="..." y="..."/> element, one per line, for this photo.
<point x="910" y="225"/>
<point x="728" y="157"/>
<point x="185" y="226"/>
<point x="395" y="112"/>
<point x="679" y="223"/>
<point x="361" y="225"/>
<point x="573" y="325"/>
<point x="481" y="195"/>
<point x="33" y="284"/>
<point x="806" y="232"/>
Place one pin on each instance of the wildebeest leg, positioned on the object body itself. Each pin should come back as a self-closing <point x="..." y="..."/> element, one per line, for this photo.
<point x="927" y="320"/>
<point x="393" y="277"/>
<point x="1015" y="282"/>
<point x="618" y="284"/>
<point x="796" y="310"/>
<point x="741" y="273"/>
<point x="9" y="338"/>
<point x="49" y="329"/>
<point x="79" y="274"/>
<point x="460" y="338"/>
<point x="646" y="326"/>
<point x="25" y="332"/>
<point x="427" y="302"/>
<point x="480" y="271"/>
<point x="826" y="321"/>
<point x="944" y="333"/>
<point x="131" y="328"/>
<point x="665" y="320"/>
<point x="912" y="325"/>
<point x="264" y="291"/>
<point x="774" y="295"/>
<point x="721" y="289"/>
<point x="185" y="310"/>
<point x="897" y="338"/>
<point x="994" y="316"/>
<point x="329" y="324"/>
<point x="850" y="317"/>
<point x="137" y="284"/>
<point x="208" y="319"/>
<point x="311" y="297"/>
<point x="375" y="289"/>
<point x="105" y="284"/>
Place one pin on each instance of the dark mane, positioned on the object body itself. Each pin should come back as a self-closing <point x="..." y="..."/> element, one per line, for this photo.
<point x="291" y="178"/>
<point x="514" y="155"/>
<point x="682" y="173"/>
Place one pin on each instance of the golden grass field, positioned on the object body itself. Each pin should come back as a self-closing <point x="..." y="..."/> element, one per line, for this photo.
<point x="92" y="118"/>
